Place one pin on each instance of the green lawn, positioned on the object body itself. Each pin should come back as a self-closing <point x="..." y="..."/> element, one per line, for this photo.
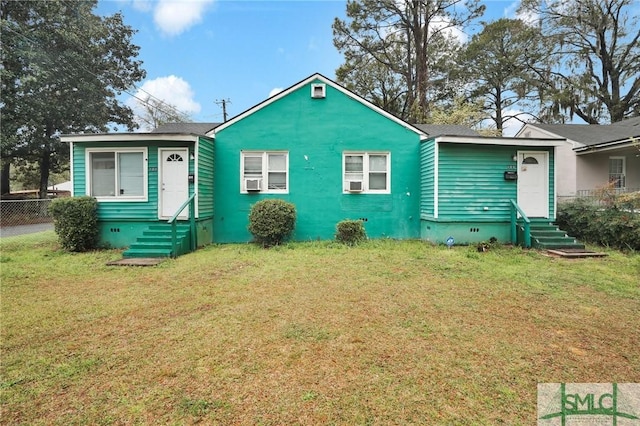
<point x="308" y="333"/>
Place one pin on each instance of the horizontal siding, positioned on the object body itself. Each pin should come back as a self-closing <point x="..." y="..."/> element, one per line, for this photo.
<point x="205" y="178"/>
<point x="79" y="166"/>
<point x="471" y="183"/>
<point x="427" y="181"/>
<point x="125" y="210"/>
<point x="552" y="186"/>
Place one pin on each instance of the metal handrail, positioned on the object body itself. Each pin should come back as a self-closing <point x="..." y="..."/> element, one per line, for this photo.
<point x="192" y="225"/>
<point x="515" y="209"/>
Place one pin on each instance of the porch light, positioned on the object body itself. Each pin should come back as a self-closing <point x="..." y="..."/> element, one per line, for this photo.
<point x="514" y="157"/>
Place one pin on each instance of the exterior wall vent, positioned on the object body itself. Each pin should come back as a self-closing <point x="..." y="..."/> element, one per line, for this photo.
<point x="318" y="91"/>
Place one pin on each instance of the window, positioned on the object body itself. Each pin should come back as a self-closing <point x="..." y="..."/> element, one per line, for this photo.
<point x="617" y="172"/>
<point x="117" y="174"/>
<point x="265" y="172"/>
<point x="366" y="172"/>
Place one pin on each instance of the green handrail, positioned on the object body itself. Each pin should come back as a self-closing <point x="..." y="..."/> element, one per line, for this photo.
<point x="192" y="225"/>
<point x="515" y="209"/>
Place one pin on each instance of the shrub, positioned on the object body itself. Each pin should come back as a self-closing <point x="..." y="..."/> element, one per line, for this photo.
<point x="350" y="232"/>
<point x="609" y="226"/>
<point x="271" y="221"/>
<point x="76" y="222"/>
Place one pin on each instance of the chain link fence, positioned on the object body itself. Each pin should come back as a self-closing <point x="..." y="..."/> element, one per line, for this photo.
<point x="19" y="217"/>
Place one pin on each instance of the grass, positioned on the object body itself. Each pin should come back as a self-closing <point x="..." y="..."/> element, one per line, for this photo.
<point x="308" y="333"/>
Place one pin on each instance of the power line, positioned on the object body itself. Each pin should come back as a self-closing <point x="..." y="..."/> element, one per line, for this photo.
<point x="224" y="103"/>
<point x="146" y="102"/>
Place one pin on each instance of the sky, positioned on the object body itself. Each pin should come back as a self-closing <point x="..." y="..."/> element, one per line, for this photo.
<point x="198" y="53"/>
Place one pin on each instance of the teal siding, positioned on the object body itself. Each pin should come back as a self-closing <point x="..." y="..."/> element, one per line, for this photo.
<point x="126" y="210"/>
<point x="316" y="132"/>
<point x="205" y="178"/>
<point x="471" y="183"/>
<point x="427" y="181"/>
<point x="79" y="170"/>
<point x="552" y="194"/>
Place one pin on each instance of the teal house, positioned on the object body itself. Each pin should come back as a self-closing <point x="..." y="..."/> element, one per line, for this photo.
<point x="332" y="154"/>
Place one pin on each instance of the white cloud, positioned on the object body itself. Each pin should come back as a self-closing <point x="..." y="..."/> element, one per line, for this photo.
<point x="173" y="17"/>
<point x="142" y="5"/>
<point x="529" y="17"/>
<point x="511" y="126"/>
<point x="275" y="91"/>
<point x="172" y="90"/>
<point x="444" y="24"/>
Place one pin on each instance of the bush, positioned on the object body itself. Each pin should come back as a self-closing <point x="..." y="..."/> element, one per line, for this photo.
<point x="271" y="221"/>
<point x="612" y="226"/>
<point x="76" y="222"/>
<point x="350" y="232"/>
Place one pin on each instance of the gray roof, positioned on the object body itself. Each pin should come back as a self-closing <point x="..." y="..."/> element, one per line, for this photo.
<point x="189" y="128"/>
<point x="446" y="129"/>
<point x="593" y="134"/>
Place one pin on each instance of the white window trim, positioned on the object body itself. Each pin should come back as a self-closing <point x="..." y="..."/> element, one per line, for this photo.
<point x="119" y="198"/>
<point x="265" y="171"/>
<point x="365" y="172"/>
<point x="624" y="170"/>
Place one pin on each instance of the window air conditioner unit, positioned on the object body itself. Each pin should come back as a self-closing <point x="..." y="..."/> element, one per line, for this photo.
<point x="253" y="184"/>
<point x="355" y="186"/>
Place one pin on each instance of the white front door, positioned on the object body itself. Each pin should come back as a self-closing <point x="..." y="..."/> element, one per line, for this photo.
<point x="533" y="183"/>
<point x="173" y="181"/>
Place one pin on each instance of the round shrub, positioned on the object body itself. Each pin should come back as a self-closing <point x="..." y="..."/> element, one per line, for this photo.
<point x="75" y="220"/>
<point x="271" y="221"/>
<point x="350" y="232"/>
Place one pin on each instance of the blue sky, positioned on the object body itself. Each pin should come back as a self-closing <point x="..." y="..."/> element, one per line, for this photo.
<point x="196" y="52"/>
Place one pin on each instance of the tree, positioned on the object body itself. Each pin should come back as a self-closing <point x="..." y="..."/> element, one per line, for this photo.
<point x="407" y="46"/>
<point x="497" y="62"/>
<point x="153" y="112"/>
<point x="62" y="70"/>
<point x="460" y="112"/>
<point x="595" y="46"/>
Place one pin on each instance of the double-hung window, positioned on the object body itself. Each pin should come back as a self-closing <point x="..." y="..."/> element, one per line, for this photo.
<point x="264" y="171"/>
<point x="117" y="174"/>
<point x="368" y="172"/>
<point x="617" y="172"/>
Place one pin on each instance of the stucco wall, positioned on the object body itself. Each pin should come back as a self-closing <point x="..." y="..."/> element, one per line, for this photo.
<point x="315" y="133"/>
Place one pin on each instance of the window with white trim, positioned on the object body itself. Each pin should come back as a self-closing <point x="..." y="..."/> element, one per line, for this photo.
<point x="117" y="174"/>
<point x="264" y="171"/>
<point x="368" y="172"/>
<point x="617" y="172"/>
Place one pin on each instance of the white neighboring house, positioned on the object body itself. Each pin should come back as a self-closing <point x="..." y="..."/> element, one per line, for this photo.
<point x="593" y="155"/>
<point x="64" y="187"/>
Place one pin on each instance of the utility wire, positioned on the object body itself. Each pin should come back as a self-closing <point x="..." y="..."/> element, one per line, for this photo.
<point x="142" y="101"/>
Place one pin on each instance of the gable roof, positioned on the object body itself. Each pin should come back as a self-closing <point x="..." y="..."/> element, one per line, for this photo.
<point x="310" y="79"/>
<point x="186" y="128"/>
<point x="593" y="134"/>
<point x="446" y="129"/>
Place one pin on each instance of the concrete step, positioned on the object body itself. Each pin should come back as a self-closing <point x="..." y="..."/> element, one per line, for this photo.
<point x="147" y="252"/>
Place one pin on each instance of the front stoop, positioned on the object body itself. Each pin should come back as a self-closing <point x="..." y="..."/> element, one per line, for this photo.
<point x="155" y="241"/>
<point x="546" y="236"/>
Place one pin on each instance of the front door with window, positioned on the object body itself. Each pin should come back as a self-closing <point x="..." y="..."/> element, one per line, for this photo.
<point x="533" y="183"/>
<point x="173" y="181"/>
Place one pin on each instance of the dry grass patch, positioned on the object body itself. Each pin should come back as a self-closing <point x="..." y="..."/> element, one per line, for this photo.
<point x="317" y="333"/>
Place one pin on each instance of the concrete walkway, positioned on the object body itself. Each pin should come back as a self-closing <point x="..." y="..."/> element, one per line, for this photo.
<point x="13" y="231"/>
